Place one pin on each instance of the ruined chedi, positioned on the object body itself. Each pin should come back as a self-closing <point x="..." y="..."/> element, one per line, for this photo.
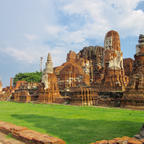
<point x="48" y="70"/>
<point x="71" y="73"/>
<point x="93" y="59"/>
<point x="114" y="78"/>
<point x="134" y="94"/>
<point x="49" y="91"/>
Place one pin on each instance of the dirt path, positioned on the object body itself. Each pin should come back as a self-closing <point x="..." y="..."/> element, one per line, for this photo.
<point x="4" y="139"/>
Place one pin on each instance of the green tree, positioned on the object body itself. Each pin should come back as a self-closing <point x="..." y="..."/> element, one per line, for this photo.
<point x="29" y="77"/>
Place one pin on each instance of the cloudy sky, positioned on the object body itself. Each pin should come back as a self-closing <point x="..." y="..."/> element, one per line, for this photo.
<point x="29" y="29"/>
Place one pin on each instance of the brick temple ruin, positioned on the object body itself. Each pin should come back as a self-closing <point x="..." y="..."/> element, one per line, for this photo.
<point x="95" y="75"/>
<point x="134" y="94"/>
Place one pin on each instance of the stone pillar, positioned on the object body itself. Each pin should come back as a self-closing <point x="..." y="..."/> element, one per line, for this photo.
<point x="11" y="83"/>
<point x="0" y="86"/>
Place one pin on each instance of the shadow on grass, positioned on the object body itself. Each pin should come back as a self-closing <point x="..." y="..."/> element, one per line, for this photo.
<point x="81" y="131"/>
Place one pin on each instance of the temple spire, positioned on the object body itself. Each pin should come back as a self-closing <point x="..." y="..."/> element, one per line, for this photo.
<point x="48" y="70"/>
<point x="49" y="64"/>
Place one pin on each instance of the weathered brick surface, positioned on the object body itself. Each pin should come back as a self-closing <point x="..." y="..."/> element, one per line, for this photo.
<point x="114" y="71"/>
<point x="122" y="140"/>
<point x="128" y="66"/>
<point x="10" y="128"/>
<point x="8" y="140"/>
<point x="28" y="136"/>
<point x="134" y="94"/>
<point x="134" y="141"/>
<point x="0" y="86"/>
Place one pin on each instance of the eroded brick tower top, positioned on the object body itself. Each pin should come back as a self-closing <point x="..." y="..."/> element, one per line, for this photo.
<point x="112" y="41"/>
<point x="113" y="54"/>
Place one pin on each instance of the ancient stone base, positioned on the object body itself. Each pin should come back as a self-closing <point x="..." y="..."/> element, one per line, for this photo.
<point x="133" y="98"/>
<point x="83" y="96"/>
<point x="115" y="80"/>
<point x="112" y="99"/>
<point x="123" y="140"/>
<point x="28" y="136"/>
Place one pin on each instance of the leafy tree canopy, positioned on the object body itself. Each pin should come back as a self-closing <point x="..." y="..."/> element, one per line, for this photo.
<point x="29" y="77"/>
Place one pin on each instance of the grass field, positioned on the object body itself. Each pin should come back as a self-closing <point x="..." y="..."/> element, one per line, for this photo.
<point x="75" y="125"/>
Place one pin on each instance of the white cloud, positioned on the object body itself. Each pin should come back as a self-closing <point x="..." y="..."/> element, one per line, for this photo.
<point x="64" y="35"/>
<point x="21" y="55"/>
<point x="134" y="23"/>
<point x="32" y="55"/>
<point x="54" y="29"/>
<point x="99" y="17"/>
<point x="73" y="37"/>
<point x="64" y="25"/>
<point x="31" y="37"/>
<point x="103" y="15"/>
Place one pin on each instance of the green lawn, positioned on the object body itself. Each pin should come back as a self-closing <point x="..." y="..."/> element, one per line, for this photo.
<point x="75" y="125"/>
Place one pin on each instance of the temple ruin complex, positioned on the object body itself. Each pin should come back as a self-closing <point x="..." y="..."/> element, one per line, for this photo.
<point x="95" y="75"/>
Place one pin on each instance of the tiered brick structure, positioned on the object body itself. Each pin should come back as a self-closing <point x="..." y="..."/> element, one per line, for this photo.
<point x="78" y="73"/>
<point x="94" y="71"/>
<point x="48" y="91"/>
<point x="134" y="94"/>
<point x="6" y="93"/>
<point x="51" y="94"/>
<point x="71" y="74"/>
<point x="23" y="92"/>
<point x="92" y="61"/>
<point x="21" y="95"/>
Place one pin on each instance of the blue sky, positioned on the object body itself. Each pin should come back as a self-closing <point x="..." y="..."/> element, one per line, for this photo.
<point x="30" y="29"/>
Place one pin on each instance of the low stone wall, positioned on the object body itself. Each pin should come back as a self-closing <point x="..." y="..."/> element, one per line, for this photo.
<point x="28" y="136"/>
<point x="123" y="140"/>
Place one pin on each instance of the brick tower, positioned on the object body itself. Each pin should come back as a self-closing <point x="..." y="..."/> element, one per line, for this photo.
<point x="134" y="94"/>
<point x="115" y="78"/>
